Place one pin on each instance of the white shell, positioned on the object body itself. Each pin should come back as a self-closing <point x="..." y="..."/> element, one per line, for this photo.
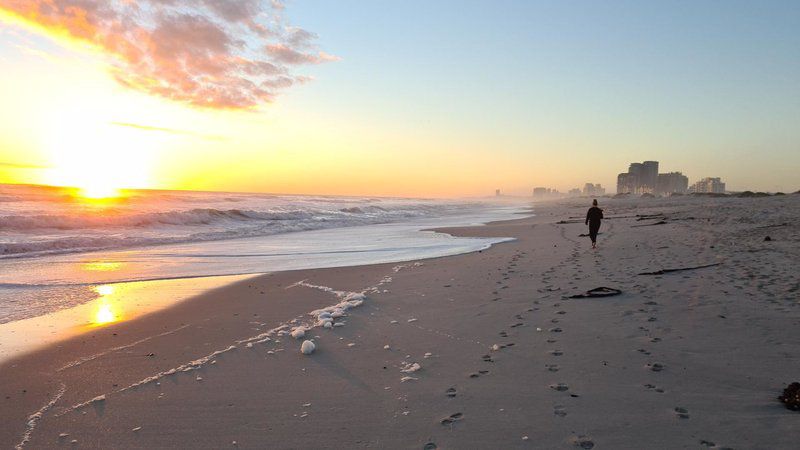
<point x="308" y="347"/>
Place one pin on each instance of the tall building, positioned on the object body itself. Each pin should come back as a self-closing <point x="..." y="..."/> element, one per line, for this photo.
<point x="671" y="183"/>
<point x="649" y="176"/>
<point x="541" y="192"/>
<point x="709" y="185"/>
<point x="641" y="178"/>
<point x="626" y="183"/>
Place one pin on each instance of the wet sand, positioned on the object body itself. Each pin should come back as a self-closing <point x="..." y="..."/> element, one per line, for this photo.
<point x="485" y="350"/>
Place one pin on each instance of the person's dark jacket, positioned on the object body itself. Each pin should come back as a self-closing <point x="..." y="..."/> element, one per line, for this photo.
<point x="594" y="215"/>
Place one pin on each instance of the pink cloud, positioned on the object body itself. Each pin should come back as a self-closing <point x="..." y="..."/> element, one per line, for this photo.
<point x="232" y="54"/>
<point x="285" y="54"/>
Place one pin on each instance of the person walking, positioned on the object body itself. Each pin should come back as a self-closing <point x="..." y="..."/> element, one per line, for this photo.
<point x="593" y="218"/>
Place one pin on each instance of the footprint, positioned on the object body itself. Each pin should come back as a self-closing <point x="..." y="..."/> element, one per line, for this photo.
<point x="655" y="339"/>
<point x="487" y="358"/>
<point x="556" y="352"/>
<point x="643" y="351"/>
<point x="450" y="392"/>
<point x="656" y="367"/>
<point x="551" y="340"/>
<point x="682" y="413"/>
<point x="552" y="367"/>
<point x="561" y="387"/>
<point x="518" y="324"/>
<point x="503" y="334"/>
<point x="555" y="330"/>
<point x="429" y="446"/>
<point x="453" y="418"/>
<point x="559" y="411"/>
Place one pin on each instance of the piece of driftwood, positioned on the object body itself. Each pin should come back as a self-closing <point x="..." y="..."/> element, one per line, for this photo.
<point x="660" y="222"/>
<point x="641" y="217"/>
<point x="598" y="292"/>
<point x="773" y="226"/>
<point x="680" y="269"/>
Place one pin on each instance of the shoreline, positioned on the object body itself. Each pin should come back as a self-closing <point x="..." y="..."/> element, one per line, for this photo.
<point x="49" y="328"/>
<point x="458" y="304"/>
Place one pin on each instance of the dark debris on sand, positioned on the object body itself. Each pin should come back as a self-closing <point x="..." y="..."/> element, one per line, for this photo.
<point x="791" y="397"/>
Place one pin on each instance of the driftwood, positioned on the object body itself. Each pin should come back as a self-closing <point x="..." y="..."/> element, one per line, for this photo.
<point x="660" y="222"/>
<point x="598" y="292"/>
<point x="680" y="269"/>
<point x="773" y="226"/>
<point x="642" y="217"/>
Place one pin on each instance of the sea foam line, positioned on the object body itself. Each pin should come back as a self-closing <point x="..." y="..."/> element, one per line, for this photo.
<point x="86" y="359"/>
<point x="349" y="300"/>
<point x="34" y="418"/>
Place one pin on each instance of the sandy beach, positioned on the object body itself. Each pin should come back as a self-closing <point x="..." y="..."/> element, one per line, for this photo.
<point x="479" y="350"/>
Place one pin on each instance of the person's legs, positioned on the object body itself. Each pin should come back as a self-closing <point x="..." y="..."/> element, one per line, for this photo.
<point x="593" y="229"/>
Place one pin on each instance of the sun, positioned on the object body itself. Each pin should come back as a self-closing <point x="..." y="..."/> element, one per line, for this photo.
<point x="96" y="157"/>
<point x="98" y="191"/>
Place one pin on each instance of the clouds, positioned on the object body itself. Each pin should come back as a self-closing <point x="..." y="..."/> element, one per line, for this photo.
<point x="137" y="126"/>
<point x="225" y="54"/>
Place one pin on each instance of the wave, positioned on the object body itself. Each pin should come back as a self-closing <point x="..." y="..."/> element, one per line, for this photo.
<point x="42" y="234"/>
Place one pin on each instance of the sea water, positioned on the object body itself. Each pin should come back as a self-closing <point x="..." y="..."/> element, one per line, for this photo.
<point x="57" y="248"/>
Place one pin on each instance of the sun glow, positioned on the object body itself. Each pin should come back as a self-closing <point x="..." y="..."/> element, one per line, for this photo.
<point x="88" y="152"/>
<point x="104" y="313"/>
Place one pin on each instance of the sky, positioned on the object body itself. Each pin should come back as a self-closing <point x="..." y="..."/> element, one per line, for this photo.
<point x="405" y="98"/>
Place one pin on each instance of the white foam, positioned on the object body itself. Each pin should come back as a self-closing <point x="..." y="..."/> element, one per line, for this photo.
<point x="410" y="367"/>
<point x="34" y="418"/>
<point x="86" y="359"/>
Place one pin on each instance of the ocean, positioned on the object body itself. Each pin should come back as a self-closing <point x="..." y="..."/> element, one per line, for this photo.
<point x="56" y="248"/>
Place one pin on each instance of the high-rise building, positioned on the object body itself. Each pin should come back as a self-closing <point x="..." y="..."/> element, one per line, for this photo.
<point x="643" y="178"/>
<point x="671" y="183"/>
<point x="649" y="176"/>
<point x="626" y="183"/>
<point x="708" y="185"/>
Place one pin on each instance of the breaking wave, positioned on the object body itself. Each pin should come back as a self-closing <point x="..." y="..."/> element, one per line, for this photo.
<point x="156" y="219"/>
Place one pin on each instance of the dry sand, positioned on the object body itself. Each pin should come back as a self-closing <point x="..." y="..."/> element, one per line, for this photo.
<point x="690" y="359"/>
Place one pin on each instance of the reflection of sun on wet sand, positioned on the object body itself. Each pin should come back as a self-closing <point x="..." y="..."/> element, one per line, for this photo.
<point x="482" y="350"/>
